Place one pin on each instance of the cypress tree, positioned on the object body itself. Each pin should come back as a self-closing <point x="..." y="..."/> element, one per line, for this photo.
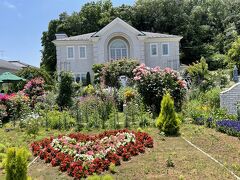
<point x="88" y="79"/>
<point x="168" y="121"/>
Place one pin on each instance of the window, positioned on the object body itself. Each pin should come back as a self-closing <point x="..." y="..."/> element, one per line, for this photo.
<point x="65" y="66"/>
<point x="82" y="52"/>
<point x="154" y="49"/>
<point x="70" y="52"/>
<point x="81" y="77"/>
<point x="165" y="49"/>
<point x="118" y="49"/>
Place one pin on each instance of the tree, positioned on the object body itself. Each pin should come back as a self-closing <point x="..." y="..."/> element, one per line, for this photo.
<point x="16" y="164"/>
<point x="207" y="27"/>
<point x="234" y="52"/>
<point x="88" y="79"/>
<point x="168" y="121"/>
<point x="64" y="99"/>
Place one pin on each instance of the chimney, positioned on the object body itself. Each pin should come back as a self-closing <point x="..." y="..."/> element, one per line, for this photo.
<point x="60" y="36"/>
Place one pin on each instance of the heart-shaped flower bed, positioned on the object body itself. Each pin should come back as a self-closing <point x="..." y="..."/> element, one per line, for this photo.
<point x="82" y="155"/>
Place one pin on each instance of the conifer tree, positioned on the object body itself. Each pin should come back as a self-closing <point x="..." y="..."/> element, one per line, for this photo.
<point x="168" y="121"/>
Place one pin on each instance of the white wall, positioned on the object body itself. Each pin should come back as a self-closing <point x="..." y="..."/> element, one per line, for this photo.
<point x="77" y="65"/>
<point x="172" y="60"/>
<point x="101" y="47"/>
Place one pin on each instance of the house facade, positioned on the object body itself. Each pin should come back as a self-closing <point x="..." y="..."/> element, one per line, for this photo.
<point x="117" y="40"/>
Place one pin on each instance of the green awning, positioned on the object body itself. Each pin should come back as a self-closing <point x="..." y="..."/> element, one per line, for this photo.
<point x="9" y="77"/>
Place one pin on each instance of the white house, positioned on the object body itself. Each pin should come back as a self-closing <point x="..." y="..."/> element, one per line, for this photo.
<point x="117" y="40"/>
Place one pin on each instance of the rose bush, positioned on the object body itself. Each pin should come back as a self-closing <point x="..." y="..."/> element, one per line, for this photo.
<point x="153" y="83"/>
<point x="34" y="89"/>
<point x="14" y="105"/>
<point x="82" y="155"/>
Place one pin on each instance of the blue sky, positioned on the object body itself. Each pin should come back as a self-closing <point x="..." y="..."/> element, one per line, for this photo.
<point x="23" y="21"/>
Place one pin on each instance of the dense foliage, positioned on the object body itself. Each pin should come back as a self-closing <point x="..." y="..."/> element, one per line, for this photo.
<point x="29" y="73"/>
<point x="113" y="70"/>
<point x="234" y="52"/>
<point x="207" y="27"/>
<point x="16" y="164"/>
<point x="34" y="89"/>
<point x="65" y="93"/>
<point x="229" y="127"/>
<point x="97" y="69"/>
<point x="153" y="83"/>
<point x="168" y="121"/>
<point x="82" y="155"/>
<point x="13" y="106"/>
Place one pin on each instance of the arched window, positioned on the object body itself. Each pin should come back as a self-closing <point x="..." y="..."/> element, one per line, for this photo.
<point x="118" y="49"/>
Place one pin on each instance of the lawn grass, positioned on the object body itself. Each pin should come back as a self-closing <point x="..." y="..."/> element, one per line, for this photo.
<point x="189" y="163"/>
<point x="224" y="148"/>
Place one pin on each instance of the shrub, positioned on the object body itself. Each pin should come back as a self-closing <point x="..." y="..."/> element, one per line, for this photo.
<point x="13" y="106"/>
<point x="97" y="69"/>
<point x="112" y="168"/>
<point x="152" y="84"/>
<point x="16" y="164"/>
<point x="32" y="73"/>
<point x="88" y="90"/>
<point x="198" y="71"/>
<point x="212" y="97"/>
<point x="113" y="70"/>
<point x="217" y="61"/>
<point x="234" y="52"/>
<point x="64" y="99"/>
<point x="32" y="127"/>
<point x="34" y="89"/>
<point x="88" y="79"/>
<point x="58" y="120"/>
<point x="168" y="121"/>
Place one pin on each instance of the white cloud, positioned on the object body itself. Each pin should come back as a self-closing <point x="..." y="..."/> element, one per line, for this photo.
<point x="9" y="5"/>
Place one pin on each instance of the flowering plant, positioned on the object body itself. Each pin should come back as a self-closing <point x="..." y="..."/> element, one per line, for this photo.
<point x="82" y="155"/>
<point x="14" y="104"/>
<point x="229" y="127"/>
<point x="34" y="89"/>
<point x="153" y="83"/>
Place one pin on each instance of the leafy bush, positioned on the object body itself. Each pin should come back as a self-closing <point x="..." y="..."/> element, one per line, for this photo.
<point x="198" y="71"/>
<point x="96" y="110"/>
<point x="97" y="69"/>
<point x="58" y="120"/>
<point x="32" y="73"/>
<point x="113" y="70"/>
<point x="34" y="89"/>
<point x="14" y="106"/>
<point x="217" y="61"/>
<point x="88" y="90"/>
<point x="64" y="99"/>
<point x="112" y="168"/>
<point x="234" y="52"/>
<point x="212" y="97"/>
<point x="126" y="94"/>
<point x="16" y="164"/>
<point x="152" y="84"/>
<point x="32" y="127"/>
<point x="168" y="121"/>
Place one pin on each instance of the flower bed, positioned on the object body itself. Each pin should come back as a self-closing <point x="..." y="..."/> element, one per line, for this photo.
<point x="82" y="155"/>
<point x="229" y="127"/>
